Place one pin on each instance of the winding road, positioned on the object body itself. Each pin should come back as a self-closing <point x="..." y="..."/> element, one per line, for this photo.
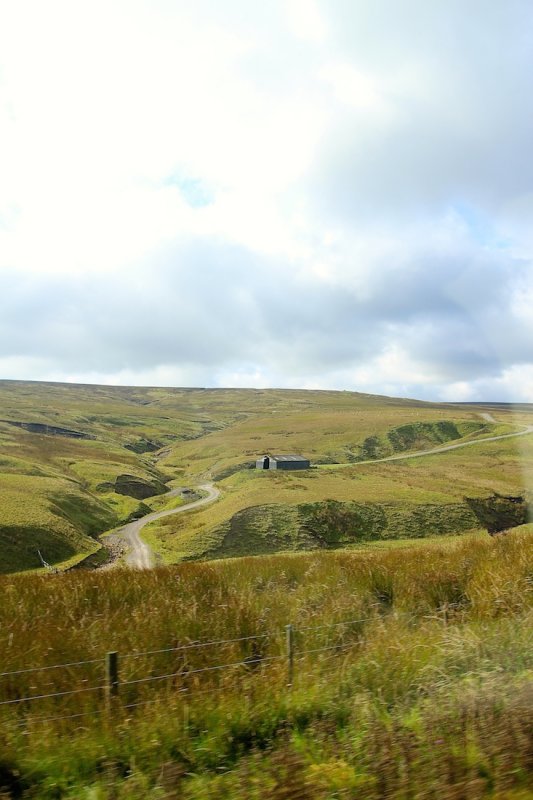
<point x="526" y="430"/>
<point x="138" y="553"/>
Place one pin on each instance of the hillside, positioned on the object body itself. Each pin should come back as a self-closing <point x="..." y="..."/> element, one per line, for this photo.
<point x="410" y="677"/>
<point x="344" y="500"/>
<point x="76" y="461"/>
<point x="409" y="659"/>
<point x="262" y="512"/>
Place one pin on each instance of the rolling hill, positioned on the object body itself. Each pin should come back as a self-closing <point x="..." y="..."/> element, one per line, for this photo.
<point x="76" y="461"/>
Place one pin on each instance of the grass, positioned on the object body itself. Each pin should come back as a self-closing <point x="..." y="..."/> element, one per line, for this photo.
<point x="329" y="432"/>
<point x="183" y="436"/>
<point x="265" y="512"/>
<point x="428" y="696"/>
<point x="82" y="469"/>
<point x="59" y="521"/>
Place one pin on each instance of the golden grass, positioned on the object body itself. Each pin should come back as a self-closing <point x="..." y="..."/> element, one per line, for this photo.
<point x="319" y="432"/>
<point x="431" y="698"/>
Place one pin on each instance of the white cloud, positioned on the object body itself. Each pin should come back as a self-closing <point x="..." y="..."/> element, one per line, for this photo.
<point x="306" y="20"/>
<point x="308" y="193"/>
<point x="514" y="384"/>
<point x="356" y="89"/>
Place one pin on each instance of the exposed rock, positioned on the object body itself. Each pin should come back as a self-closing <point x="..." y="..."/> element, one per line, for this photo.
<point x="48" y="430"/>
<point x="499" y="512"/>
<point x="139" y="488"/>
<point x="143" y="446"/>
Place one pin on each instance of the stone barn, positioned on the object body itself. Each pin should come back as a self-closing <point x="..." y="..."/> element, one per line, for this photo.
<point x="282" y="462"/>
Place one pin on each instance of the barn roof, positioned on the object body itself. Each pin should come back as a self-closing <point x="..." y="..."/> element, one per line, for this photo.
<point x="289" y="458"/>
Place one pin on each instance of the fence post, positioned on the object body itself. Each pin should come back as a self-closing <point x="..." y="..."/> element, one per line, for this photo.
<point x="111" y="675"/>
<point x="289" y="630"/>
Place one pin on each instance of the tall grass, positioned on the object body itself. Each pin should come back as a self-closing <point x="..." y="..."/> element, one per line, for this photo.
<point x="428" y="696"/>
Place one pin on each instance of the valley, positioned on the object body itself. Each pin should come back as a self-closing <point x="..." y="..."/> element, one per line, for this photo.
<point x="347" y="630"/>
<point x="78" y="462"/>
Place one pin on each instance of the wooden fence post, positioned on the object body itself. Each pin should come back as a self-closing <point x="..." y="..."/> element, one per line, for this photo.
<point x="289" y="630"/>
<point x="112" y="682"/>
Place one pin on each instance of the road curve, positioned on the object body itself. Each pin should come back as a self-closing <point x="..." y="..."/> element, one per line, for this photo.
<point x="138" y="554"/>
<point x="401" y="457"/>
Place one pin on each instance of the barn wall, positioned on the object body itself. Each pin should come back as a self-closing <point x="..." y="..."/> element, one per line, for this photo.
<point x="291" y="465"/>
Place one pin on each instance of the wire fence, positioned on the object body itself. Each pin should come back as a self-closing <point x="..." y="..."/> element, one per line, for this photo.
<point x="118" y="686"/>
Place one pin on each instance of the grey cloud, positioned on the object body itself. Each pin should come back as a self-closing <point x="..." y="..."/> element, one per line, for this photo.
<point x="463" y="133"/>
<point x="457" y="142"/>
<point x="214" y="306"/>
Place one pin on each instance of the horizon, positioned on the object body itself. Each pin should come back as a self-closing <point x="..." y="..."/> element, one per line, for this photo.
<point x="75" y="384"/>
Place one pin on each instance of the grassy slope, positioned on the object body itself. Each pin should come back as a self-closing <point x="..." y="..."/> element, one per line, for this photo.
<point x="203" y="432"/>
<point x="262" y="511"/>
<point x="326" y="426"/>
<point x="39" y="474"/>
<point x="428" y="695"/>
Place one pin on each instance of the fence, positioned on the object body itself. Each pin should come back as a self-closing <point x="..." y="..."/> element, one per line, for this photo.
<point x="112" y="683"/>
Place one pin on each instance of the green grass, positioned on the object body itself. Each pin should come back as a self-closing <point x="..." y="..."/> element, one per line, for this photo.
<point x="337" y="428"/>
<point x="429" y="695"/>
<point x="264" y="511"/>
<point x="48" y="514"/>
<point x="203" y="433"/>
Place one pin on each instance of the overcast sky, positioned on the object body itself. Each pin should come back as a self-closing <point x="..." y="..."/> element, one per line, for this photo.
<point x="300" y="193"/>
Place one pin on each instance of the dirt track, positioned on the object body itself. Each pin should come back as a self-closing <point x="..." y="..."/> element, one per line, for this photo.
<point x="447" y="447"/>
<point x="444" y="449"/>
<point x="127" y="539"/>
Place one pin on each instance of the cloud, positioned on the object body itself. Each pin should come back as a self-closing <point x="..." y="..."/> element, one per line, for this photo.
<point x="295" y="194"/>
<point x="214" y="313"/>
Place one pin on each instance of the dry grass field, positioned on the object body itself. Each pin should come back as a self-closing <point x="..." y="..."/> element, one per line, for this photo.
<point x="411" y="677"/>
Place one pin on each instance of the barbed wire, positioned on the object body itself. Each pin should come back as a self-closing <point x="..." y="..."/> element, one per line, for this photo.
<point x="52" y="666"/>
<point x="324" y="649"/>
<point x="48" y="696"/>
<point x="245" y="663"/>
<point x="184" y="693"/>
<point x="185" y="673"/>
<point x="334" y="624"/>
<point x="194" y="645"/>
<point x="215" y="642"/>
<point x="32" y="720"/>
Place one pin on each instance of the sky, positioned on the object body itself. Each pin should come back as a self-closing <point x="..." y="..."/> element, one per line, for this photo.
<point x="331" y="194"/>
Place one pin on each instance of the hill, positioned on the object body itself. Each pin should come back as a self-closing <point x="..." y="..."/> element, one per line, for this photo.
<point x="351" y="496"/>
<point x="409" y="666"/>
<point x="76" y="461"/>
<point x="409" y="672"/>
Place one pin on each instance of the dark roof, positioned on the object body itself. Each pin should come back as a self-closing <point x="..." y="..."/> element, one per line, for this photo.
<point x="289" y="458"/>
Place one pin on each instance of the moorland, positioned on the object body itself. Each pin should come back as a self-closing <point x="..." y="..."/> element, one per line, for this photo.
<point x="406" y="668"/>
<point x="411" y="677"/>
<point x="79" y="461"/>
